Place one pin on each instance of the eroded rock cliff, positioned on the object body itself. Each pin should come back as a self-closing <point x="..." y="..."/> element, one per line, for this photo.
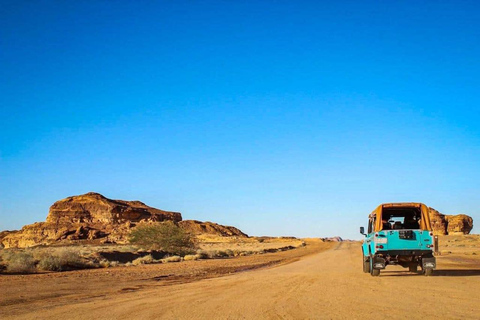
<point x="443" y="224"/>
<point x="95" y="218"/>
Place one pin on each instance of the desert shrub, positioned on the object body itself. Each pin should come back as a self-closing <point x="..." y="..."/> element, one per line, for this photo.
<point x="19" y="261"/>
<point x="172" y="259"/>
<point x="50" y="263"/>
<point x="221" y="254"/>
<point x="190" y="257"/>
<point x="203" y="255"/>
<point x="60" y="260"/>
<point x="2" y="263"/>
<point x="104" y="263"/>
<point x="114" y="263"/>
<point x="165" y="236"/>
<point x="108" y="264"/>
<point x="143" y="260"/>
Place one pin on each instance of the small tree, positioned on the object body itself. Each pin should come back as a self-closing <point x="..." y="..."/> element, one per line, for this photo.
<point x="166" y="236"/>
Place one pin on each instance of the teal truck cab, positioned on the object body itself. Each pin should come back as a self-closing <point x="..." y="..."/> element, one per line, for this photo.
<point x="401" y="234"/>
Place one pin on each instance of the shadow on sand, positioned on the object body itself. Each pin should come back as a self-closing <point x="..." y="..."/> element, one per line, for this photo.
<point x="436" y="273"/>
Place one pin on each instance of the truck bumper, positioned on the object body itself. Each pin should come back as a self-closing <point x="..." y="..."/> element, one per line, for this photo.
<point x="406" y="252"/>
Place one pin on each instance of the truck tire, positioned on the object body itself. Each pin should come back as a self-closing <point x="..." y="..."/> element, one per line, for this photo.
<point x="366" y="265"/>
<point x="428" y="272"/>
<point x="373" y="272"/>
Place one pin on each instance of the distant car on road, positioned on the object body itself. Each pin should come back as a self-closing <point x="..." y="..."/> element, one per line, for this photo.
<point x="401" y="234"/>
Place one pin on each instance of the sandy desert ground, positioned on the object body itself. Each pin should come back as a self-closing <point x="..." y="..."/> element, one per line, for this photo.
<point x="319" y="281"/>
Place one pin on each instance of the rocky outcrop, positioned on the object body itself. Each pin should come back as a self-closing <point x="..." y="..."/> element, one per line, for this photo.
<point x="93" y="218"/>
<point x="90" y="217"/>
<point x="92" y="208"/>
<point x="439" y="224"/>
<point x="197" y="227"/>
<point x="459" y="224"/>
<point x="450" y="224"/>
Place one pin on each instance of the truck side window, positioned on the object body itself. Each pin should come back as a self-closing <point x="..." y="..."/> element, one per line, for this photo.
<point x="370" y="226"/>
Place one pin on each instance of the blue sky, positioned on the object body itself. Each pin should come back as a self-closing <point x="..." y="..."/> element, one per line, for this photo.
<point x="281" y="118"/>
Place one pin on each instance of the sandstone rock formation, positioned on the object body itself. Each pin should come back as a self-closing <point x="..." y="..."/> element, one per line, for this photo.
<point x="97" y="219"/>
<point x="438" y="221"/>
<point x="450" y="224"/>
<point x="459" y="224"/>
<point x="95" y="208"/>
<point x="198" y="227"/>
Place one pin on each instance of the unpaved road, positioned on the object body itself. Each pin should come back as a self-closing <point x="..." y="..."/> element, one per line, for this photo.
<point x="326" y="285"/>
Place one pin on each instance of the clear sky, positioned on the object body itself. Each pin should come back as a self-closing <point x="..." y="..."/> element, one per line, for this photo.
<point x="278" y="117"/>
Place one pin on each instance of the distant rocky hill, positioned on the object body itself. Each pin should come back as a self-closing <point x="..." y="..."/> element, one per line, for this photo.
<point x="332" y="239"/>
<point x="95" y="218"/>
<point x="444" y="224"/>
<point x="198" y="227"/>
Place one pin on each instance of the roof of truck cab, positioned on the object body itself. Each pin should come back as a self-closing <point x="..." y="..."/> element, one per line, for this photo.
<point x="424" y="221"/>
<point x="402" y="204"/>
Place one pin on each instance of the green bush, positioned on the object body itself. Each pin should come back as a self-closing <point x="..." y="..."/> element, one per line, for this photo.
<point x="165" y="236"/>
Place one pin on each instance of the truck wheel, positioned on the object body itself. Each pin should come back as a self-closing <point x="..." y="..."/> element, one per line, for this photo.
<point x="428" y="272"/>
<point x="412" y="268"/>
<point x="373" y="272"/>
<point x="366" y="266"/>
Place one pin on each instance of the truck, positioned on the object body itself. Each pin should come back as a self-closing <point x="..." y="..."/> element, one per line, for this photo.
<point x="399" y="234"/>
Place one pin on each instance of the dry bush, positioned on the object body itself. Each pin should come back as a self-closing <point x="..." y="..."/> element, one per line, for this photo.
<point x="19" y="261"/>
<point x="114" y="264"/>
<point x="108" y="264"/>
<point x="189" y="257"/>
<point x="3" y="265"/>
<point x="165" y="236"/>
<point x="60" y="259"/>
<point x="203" y="255"/>
<point x="143" y="260"/>
<point x="172" y="259"/>
<point x="221" y="254"/>
<point x="104" y="263"/>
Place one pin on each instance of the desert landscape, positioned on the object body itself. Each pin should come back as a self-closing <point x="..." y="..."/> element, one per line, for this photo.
<point x="319" y="280"/>
<point x="221" y="160"/>
<point x="81" y="260"/>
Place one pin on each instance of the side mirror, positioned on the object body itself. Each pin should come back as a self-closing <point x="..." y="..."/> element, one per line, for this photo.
<point x="362" y="230"/>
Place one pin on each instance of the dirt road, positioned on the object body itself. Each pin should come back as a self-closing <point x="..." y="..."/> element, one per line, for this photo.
<point x="327" y="285"/>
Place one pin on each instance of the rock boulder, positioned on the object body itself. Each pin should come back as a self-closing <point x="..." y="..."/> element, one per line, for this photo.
<point x="450" y="224"/>
<point x="459" y="224"/>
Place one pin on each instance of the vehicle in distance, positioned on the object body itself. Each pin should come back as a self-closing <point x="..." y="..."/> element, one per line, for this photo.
<point x="398" y="234"/>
